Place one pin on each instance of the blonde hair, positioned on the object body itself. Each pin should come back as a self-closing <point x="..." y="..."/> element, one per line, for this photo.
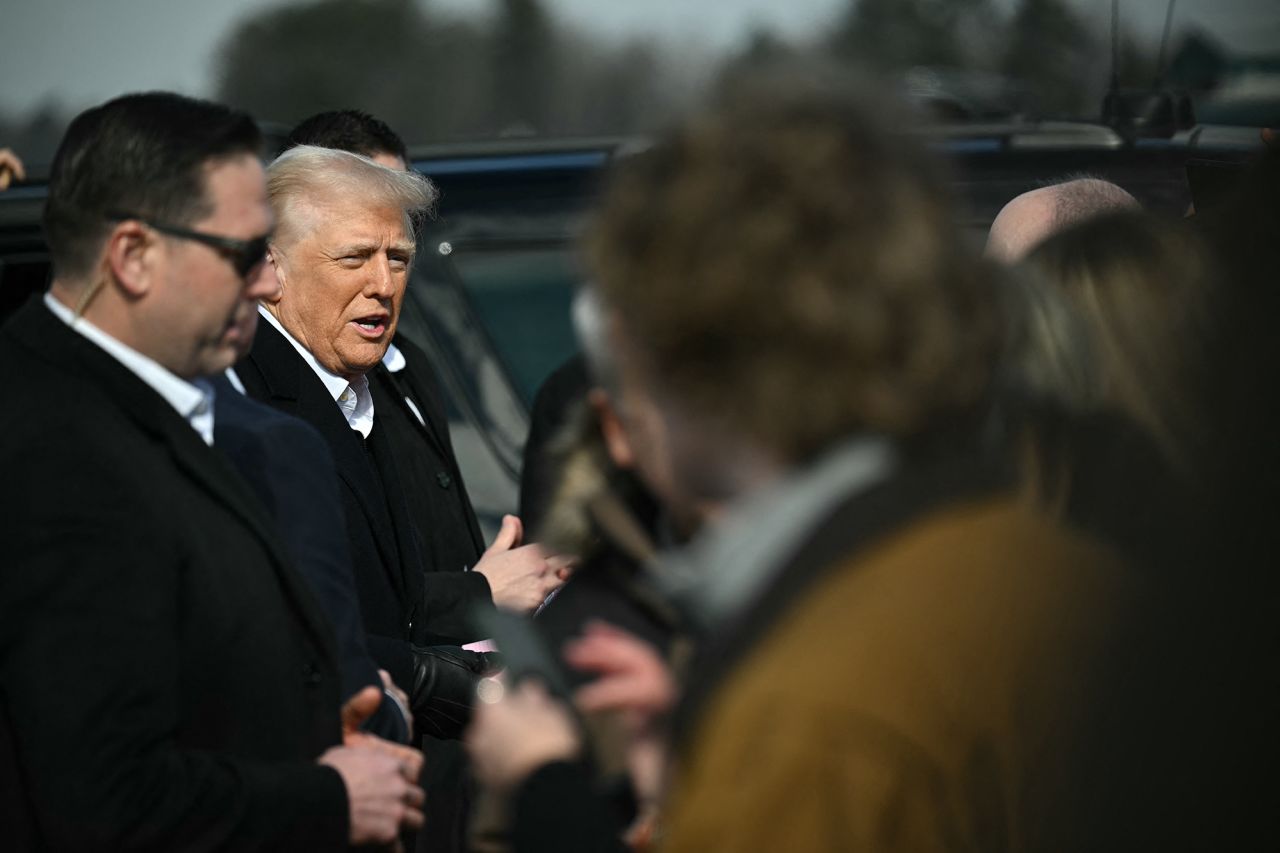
<point x="1051" y="352"/>
<point x="1140" y="285"/>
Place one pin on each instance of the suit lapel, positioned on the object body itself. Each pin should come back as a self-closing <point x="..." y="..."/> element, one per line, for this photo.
<point x="419" y="383"/>
<point x="400" y="392"/>
<point x="154" y="416"/>
<point x="214" y="472"/>
<point x="434" y="428"/>
<point x="277" y="375"/>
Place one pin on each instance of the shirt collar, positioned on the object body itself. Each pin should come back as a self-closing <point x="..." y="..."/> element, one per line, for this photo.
<point x="234" y="380"/>
<point x="727" y="565"/>
<point x="192" y="400"/>
<point x="394" y="360"/>
<point x="356" y="404"/>
<point x="352" y="396"/>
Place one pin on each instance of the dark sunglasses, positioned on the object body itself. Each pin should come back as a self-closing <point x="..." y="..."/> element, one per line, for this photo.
<point x="243" y="254"/>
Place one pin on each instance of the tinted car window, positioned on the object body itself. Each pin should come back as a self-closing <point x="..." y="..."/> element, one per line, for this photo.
<point x="522" y="297"/>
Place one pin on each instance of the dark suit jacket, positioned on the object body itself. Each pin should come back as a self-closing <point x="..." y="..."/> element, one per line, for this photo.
<point x="289" y="467"/>
<point x="166" y="679"/>
<point x="397" y="605"/>
<point x="446" y="522"/>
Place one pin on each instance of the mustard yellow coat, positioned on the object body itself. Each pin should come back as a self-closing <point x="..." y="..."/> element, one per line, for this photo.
<point x="944" y="688"/>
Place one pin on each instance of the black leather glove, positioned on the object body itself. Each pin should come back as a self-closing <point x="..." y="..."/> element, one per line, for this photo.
<point x="444" y="687"/>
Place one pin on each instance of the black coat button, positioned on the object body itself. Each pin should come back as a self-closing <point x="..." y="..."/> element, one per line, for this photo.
<point x="310" y="675"/>
<point x="443" y="478"/>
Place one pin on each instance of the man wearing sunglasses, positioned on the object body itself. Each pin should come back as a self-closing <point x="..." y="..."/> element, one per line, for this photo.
<point x="167" y="681"/>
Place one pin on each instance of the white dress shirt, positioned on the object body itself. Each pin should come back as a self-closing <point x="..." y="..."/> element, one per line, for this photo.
<point x="352" y="397"/>
<point x="192" y="400"/>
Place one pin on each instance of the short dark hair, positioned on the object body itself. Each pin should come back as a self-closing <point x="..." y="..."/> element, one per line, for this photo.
<point x="348" y="130"/>
<point x="144" y="154"/>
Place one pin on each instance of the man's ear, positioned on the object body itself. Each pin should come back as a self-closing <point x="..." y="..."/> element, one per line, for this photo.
<point x="130" y="258"/>
<point x="615" y="434"/>
<point x="278" y="269"/>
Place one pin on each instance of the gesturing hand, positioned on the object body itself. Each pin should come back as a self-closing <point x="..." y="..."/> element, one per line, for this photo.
<point x="515" y="731"/>
<point x="520" y="577"/>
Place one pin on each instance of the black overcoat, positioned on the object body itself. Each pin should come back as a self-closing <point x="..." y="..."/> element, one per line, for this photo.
<point x="167" y="680"/>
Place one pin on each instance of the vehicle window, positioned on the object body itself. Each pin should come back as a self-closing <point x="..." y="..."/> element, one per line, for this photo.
<point x="522" y="297"/>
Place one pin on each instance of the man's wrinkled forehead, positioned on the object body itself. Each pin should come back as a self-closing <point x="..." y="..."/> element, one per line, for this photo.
<point x="343" y="215"/>
<point x="356" y="242"/>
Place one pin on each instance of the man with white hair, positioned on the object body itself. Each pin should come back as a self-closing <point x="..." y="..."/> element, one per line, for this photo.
<point x="342" y="253"/>
<point x="1031" y="217"/>
<point x="406" y="394"/>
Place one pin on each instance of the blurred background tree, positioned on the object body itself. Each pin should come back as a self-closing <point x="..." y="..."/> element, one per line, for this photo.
<point x="514" y="67"/>
<point x="420" y="71"/>
<point x="893" y="35"/>
<point x="39" y="131"/>
<point x="525" y="67"/>
<point x="435" y="76"/>
<point x="520" y="71"/>
<point x="1053" y="52"/>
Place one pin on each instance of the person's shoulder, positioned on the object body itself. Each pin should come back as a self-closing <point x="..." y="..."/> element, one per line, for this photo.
<point x="242" y="410"/>
<point x="271" y="352"/>
<point x="68" y="453"/>
<point x="300" y="438"/>
<point x="28" y="373"/>
<point x="274" y="371"/>
<point x="50" y="404"/>
<point x="970" y="562"/>
<point x="972" y="593"/>
<point x="241" y="418"/>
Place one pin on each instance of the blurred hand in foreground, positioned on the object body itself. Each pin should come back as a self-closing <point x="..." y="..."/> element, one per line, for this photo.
<point x="633" y="678"/>
<point x="636" y="684"/>
<point x="516" y="730"/>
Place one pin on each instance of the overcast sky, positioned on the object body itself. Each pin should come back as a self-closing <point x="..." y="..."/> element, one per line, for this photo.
<point x="80" y="52"/>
